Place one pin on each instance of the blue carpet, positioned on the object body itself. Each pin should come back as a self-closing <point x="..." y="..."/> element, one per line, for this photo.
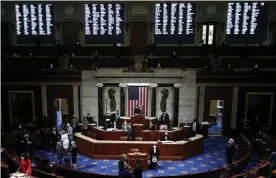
<point x="213" y="157"/>
<point x="216" y="128"/>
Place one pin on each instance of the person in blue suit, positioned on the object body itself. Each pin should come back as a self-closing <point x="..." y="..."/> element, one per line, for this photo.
<point x="130" y="136"/>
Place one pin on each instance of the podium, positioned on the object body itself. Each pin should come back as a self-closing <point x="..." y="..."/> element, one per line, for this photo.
<point x="139" y="119"/>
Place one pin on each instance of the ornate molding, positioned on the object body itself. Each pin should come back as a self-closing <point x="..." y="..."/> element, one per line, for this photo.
<point x="99" y="84"/>
<point x="153" y="85"/>
<point x="123" y="85"/>
<point x="177" y="85"/>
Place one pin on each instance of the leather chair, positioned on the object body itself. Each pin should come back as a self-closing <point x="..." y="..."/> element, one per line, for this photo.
<point x="138" y="138"/>
<point x="123" y="138"/>
<point x="133" y="150"/>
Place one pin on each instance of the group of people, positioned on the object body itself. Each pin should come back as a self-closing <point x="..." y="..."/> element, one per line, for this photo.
<point x="124" y="168"/>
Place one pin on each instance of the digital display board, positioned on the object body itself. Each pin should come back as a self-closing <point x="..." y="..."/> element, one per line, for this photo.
<point x="34" y="20"/>
<point x="247" y="22"/>
<point x="104" y="23"/>
<point x="174" y="22"/>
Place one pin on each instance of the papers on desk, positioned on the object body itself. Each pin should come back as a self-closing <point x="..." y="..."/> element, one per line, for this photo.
<point x="125" y="118"/>
<point x="110" y="129"/>
<point x="18" y="175"/>
<point x="198" y="136"/>
<point x="175" y="128"/>
<point x="205" y="123"/>
<point x="186" y="126"/>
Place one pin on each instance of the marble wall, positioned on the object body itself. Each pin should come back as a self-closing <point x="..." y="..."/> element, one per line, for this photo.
<point x="105" y="97"/>
<point x="89" y="94"/>
<point x="187" y="91"/>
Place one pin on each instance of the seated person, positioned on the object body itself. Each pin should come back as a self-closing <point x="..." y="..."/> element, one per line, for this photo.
<point x="125" y="126"/>
<point x="130" y="136"/>
<point x="173" y="54"/>
<point x="96" y="55"/>
<point x="137" y="110"/>
<point x="164" y="119"/>
<point x="166" y="137"/>
<point x="89" y="118"/>
<point x="152" y="126"/>
<point x="154" y="157"/>
<point x="138" y="170"/>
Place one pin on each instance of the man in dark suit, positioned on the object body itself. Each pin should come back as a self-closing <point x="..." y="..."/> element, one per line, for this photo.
<point x="54" y="138"/>
<point x="272" y="165"/>
<point x="85" y="125"/>
<point x="154" y="157"/>
<point x="130" y="136"/>
<point x="74" y="123"/>
<point x="137" y="110"/>
<point x="46" y="121"/>
<point x="123" y="167"/>
<point x="137" y="172"/>
<point x="164" y="119"/>
<point x="230" y="151"/>
<point x="195" y="127"/>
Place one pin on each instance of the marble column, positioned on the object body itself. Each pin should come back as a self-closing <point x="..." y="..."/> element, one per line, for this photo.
<point x="176" y="104"/>
<point x="44" y="99"/>
<point x="76" y="100"/>
<point x="201" y="104"/>
<point x="153" y="100"/>
<point x="100" y="104"/>
<point x="122" y="99"/>
<point x="234" y="107"/>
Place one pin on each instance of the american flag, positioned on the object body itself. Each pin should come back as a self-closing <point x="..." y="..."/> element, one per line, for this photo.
<point x="137" y="95"/>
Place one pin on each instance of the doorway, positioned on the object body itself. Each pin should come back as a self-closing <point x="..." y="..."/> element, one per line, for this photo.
<point x="61" y="113"/>
<point x="209" y="33"/>
<point x="216" y="109"/>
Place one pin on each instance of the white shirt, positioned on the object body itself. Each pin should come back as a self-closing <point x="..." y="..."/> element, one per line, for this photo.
<point x="194" y="127"/>
<point x="154" y="150"/>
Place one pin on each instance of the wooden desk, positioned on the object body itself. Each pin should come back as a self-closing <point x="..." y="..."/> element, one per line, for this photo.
<point x="144" y="121"/>
<point x="102" y="149"/>
<point x="175" y="135"/>
<point x="143" y="157"/>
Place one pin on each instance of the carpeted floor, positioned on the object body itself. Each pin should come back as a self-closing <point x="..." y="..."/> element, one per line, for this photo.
<point x="216" y="128"/>
<point x="213" y="157"/>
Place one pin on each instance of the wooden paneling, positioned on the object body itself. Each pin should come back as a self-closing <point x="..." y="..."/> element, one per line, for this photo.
<point x="70" y="33"/>
<point x="219" y="93"/>
<point x="54" y="92"/>
<point x="5" y="101"/>
<point x="242" y="104"/>
<point x="138" y="37"/>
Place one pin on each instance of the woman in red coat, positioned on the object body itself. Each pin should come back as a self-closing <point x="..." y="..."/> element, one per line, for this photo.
<point x="25" y="164"/>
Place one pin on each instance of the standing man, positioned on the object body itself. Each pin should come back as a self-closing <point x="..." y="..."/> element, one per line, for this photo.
<point x="137" y="110"/>
<point x="70" y="132"/>
<point x="85" y="125"/>
<point x="55" y="138"/>
<point x="164" y="119"/>
<point x="46" y="121"/>
<point x="230" y="151"/>
<point x="75" y="123"/>
<point x="59" y="151"/>
<point x="130" y="136"/>
<point x="195" y="127"/>
<point x="154" y="157"/>
<point x="138" y="171"/>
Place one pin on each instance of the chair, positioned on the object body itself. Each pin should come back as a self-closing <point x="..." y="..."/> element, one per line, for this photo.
<point x="123" y="138"/>
<point x="133" y="150"/>
<point x="138" y="138"/>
